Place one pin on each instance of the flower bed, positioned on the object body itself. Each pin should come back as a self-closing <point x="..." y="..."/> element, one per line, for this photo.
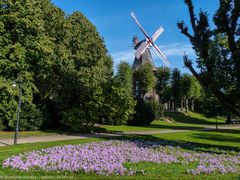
<point x="108" y="157"/>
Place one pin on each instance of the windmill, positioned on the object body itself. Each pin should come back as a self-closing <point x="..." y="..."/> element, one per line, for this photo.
<point x="142" y="47"/>
<point x="143" y="55"/>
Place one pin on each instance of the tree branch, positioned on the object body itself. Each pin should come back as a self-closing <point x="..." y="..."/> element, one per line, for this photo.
<point x="191" y="13"/>
<point x="219" y="94"/>
<point x="184" y="30"/>
<point x="235" y="14"/>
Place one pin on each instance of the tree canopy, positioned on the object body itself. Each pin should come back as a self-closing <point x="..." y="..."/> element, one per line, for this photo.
<point x="64" y="67"/>
<point x="218" y="51"/>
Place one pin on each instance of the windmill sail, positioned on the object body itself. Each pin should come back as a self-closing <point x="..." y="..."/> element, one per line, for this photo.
<point x="149" y="41"/>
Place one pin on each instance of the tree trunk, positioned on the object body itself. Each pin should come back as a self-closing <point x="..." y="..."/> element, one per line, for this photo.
<point x="219" y="94"/>
<point x="229" y="119"/>
<point x="192" y="105"/>
<point x="181" y="105"/>
<point x="174" y="108"/>
<point x="186" y="101"/>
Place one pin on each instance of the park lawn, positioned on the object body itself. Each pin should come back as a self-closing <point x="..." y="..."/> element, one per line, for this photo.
<point x="210" y="141"/>
<point x="194" y="118"/>
<point x="223" y="138"/>
<point x="154" y="126"/>
<point x="10" y="134"/>
<point x="179" y="120"/>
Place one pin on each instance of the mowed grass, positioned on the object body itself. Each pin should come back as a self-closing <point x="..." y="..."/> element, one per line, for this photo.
<point x="224" y="139"/>
<point x="210" y="141"/>
<point x="179" y="120"/>
<point x="10" y="134"/>
<point x="176" y="120"/>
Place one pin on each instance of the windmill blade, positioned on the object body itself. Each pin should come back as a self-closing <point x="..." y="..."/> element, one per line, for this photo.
<point x="140" y="50"/>
<point x="136" y="20"/>
<point x="161" y="55"/>
<point x="157" y="34"/>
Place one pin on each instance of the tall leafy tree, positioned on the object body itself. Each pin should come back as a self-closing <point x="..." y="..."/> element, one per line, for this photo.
<point x="185" y="83"/>
<point x="22" y="41"/>
<point x="144" y="79"/>
<point x="176" y="87"/>
<point x="90" y="67"/>
<point x="195" y="91"/>
<point x="218" y="51"/>
<point x="125" y="76"/>
<point x="163" y="75"/>
<point x="119" y="104"/>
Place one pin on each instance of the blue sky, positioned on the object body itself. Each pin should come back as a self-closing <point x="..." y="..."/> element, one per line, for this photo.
<point x="114" y="23"/>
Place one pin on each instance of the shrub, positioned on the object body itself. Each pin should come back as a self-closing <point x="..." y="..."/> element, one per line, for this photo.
<point x="76" y="120"/>
<point x="1" y="126"/>
<point x="146" y="112"/>
<point x="31" y="118"/>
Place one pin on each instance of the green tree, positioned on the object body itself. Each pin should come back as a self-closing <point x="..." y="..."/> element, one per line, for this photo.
<point x="89" y="70"/>
<point x="186" y="84"/>
<point x="218" y="51"/>
<point x="62" y="62"/>
<point x="176" y="87"/>
<point x="22" y="40"/>
<point x="119" y="104"/>
<point x="195" y="92"/>
<point x="125" y="76"/>
<point x="163" y="75"/>
<point x="144" y="78"/>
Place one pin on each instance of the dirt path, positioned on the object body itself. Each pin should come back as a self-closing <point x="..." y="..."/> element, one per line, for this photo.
<point x="33" y="139"/>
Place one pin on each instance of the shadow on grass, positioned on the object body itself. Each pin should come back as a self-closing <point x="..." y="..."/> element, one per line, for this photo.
<point x="230" y="131"/>
<point x="187" y="145"/>
<point x="178" y="117"/>
<point x="172" y="126"/>
<point x="181" y="117"/>
<point x="216" y="137"/>
<point x="151" y="127"/>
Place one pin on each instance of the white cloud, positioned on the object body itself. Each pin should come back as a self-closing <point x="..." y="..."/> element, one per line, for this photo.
<point x="127" y="55"/>
<point x="177" y="49"/>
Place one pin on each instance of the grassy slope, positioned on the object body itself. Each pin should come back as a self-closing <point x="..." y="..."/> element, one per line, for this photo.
<point x="180" y="121"/>
<point x="208" y="140"/>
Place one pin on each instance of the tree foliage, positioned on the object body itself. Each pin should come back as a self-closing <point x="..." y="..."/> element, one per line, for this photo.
<point x="119" y="105"/>
<point x="218" y="51"/>
<point x="146" y="112"/>
<point x="145" y="79"/>
<point x="163" y="75"/>
<point x="176" y="87"/>
<point x="64" y="67"/>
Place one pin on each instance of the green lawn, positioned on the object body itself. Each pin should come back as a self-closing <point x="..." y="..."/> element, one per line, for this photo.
<point x="179" y="121"/>
<point x="6" y="134"/>
<point x="228" y="139"/>
<point x="194" y="118"/>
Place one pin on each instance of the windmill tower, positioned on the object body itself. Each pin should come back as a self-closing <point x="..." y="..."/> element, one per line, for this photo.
<point x="143" y="56"/>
